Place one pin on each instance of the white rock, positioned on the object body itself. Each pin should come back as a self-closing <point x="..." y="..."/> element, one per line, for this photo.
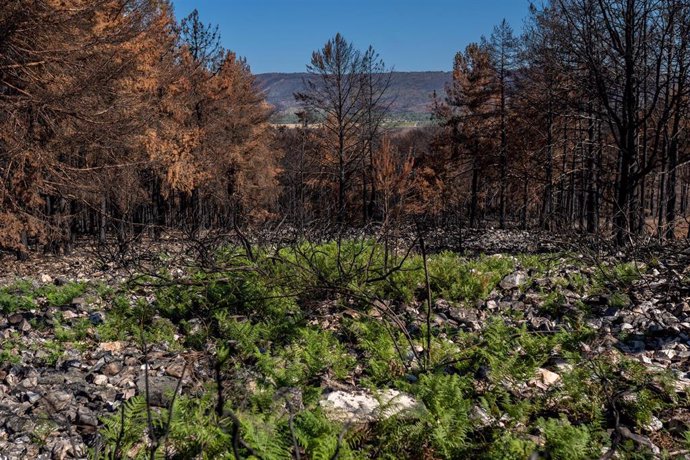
<point x="654" y="425"/>
<point x="547" y="378"/>
<point x="111" y="346"/>
<point x="100" y="379"/>
<point x="481" y="418"/>
<point x="630" y="398"/>
<point x="665" y="354"/>
<point x="45" y="278"/>
<point x="513" y="280"/>
<point x="682" y="385"/>
<point x="11" y="380"/>
<point x="562" y="365"/>
<point x="363" y="407"/>
<point x="69" y="314"/>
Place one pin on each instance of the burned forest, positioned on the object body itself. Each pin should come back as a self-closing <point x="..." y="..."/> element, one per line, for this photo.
<point x="201" y="261"/>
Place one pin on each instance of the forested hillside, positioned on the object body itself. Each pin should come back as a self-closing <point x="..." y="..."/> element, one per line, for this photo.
<point x="410" y="93"/>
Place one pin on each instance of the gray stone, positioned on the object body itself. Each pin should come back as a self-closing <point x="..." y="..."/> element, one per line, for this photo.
<point x="545" y="378"/>
<point x="18" y="424"/>
<point x="175" y="369"/>
<point x="14" y="451"/>
<point x="513" y="280"/>
<point x="161" y="389"/>
<point x="51" y="379"/>
<point x="78" y="303"/>
<point x="60" y="281"/>
<point x="469" y="317"/>
<point x="665" y="354"/>
<point x="86" y="417"/>
<point x="100" y="379"/>
<point x="59" y="400"/>
<point x="68" y="448"/>
<point x="636" y="346"/>
<point x="15" y="319"/>
<point x="112" y="368"/>
<point x="31" y="397"/>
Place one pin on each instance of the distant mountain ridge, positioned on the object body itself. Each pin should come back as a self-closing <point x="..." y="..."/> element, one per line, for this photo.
<point x="411" y="91"/>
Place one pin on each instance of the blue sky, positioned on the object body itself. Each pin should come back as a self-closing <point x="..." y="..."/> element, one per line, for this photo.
<point x="279" y="35"/>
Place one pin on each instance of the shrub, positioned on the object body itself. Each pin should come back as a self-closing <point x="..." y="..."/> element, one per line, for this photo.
<point x="440" y="431"/>
<point x="21" y="295"/>
<point x="236" y="292"/>
<point x="58" y="296"/>
<point x="17" y="297"/>
<point x="312" y="354"/>
<point x="354" y="266"/>
<point x="565" y="441"/>
<point x="510" y="447"/>
<point x="11" y="303"/>
<point x="383" y="362"/>
<point x="9" y="353"/>
<point x="621" y="275"/>
<point x="319" y="436"/>
<point x="457" y="279"/>
<point x="121" y="321"/>
<point x="79" y="331"/>
<point x="619" y="300"/>
<point x="123" y="430"/>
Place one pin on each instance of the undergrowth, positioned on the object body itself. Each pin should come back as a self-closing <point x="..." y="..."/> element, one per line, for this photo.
<point x="24" y="295"/>
<point x="301" y="319"/>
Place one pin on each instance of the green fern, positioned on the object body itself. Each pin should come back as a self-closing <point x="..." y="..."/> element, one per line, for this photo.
<point x="123" y="430"/>
<point x="567" y="442"/>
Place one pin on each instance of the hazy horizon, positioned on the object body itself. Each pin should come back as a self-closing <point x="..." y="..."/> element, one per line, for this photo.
<point x="394" y="71"/>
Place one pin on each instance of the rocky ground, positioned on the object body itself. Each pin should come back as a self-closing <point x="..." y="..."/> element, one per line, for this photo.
<point x="54" y="388"/>
<point x="63" y="366"/>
